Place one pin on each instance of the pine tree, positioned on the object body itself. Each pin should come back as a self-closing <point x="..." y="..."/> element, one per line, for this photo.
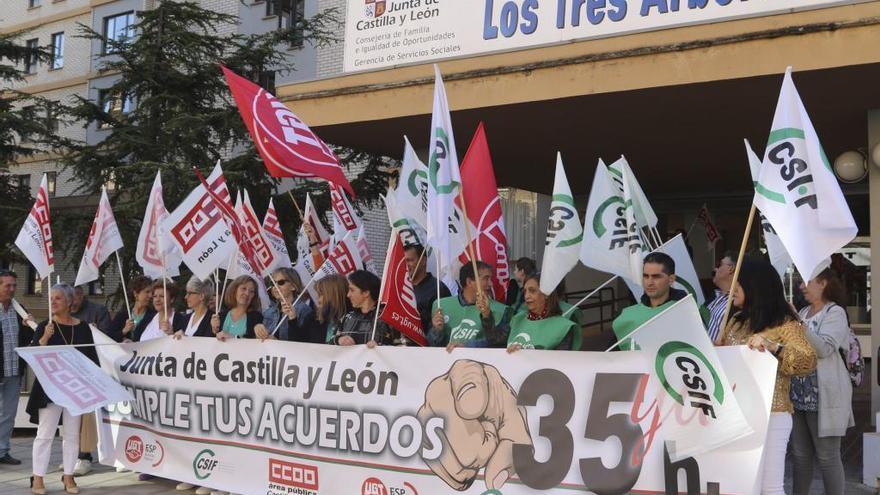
<point x="183" y="116"/>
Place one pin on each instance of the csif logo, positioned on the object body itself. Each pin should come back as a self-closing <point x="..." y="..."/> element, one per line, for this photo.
<point x="788" y="150"/>
<point x="688" y="376"/>
<point x="204" y="464"/>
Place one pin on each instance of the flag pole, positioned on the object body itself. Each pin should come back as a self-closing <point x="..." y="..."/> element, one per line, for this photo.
<point x="470" y="247"/>
<point x="591" y="294"/>
<point x="298" y="210"/>
<point x="739" y="260"/>
<point x="164" y="286"/>
<point x="284" y="317"/>
<point x="217" y="290"/>
<point x="124" y="291"/>
<point x="226" y="275"/>
<point x="421" y="256"/>
<point x="49" y="295"/>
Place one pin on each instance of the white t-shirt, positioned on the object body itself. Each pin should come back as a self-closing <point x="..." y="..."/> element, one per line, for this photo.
<point x="153" y="331"/>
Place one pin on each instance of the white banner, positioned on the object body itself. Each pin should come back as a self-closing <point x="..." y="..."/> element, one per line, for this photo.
<point x="288" y="418"/>
<point x="385" y="33"/>
<point x="71" y="380"/>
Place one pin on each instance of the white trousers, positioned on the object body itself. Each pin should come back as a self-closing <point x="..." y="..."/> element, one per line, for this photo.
<point x="48" y="424"/>
<point x="778" y="433"/>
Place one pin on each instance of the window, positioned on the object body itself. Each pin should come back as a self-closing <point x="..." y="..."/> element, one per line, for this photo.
<point x="33" y="3"/>
<point x="22" y="182"/>
<point x="111" y="103"/>
<point x="30" y="61"/>
<point x="51" y="119"/>
<point x="289" y="13"/>
<point x="51" y="177"/>
<point x="57" y="51"/>
<point x="266" y="80"/>
<point x="28" y="112"/>
<point x="34" y="283"/>
<point x="117" y="29"/>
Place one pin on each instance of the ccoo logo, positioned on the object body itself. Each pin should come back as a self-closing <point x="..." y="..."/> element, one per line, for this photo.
<point x="688" y="376"/>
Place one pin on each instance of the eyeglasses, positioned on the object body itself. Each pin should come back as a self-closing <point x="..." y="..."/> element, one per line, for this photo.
<point x="280" y="283"/>
<point x="190" y="293"/>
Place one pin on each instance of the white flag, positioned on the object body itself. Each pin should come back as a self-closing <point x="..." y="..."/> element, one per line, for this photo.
<point x="779" y="257"/>
<point x="305" y="266"/>
<point x="564" y="233"/>
<point x="198" y="229"/>
<point x="643" y="212"/>
<point x="446" y="230"/>
<point x="685" y="274"/>
<point x="104" y="240"/>
<point x="364" y="251"/>
<point x="343" y="259"/>
<point x="345" y="218"/>
<point x="272" y="231"/>
<point x="247" y="219"/>
<point x="412" y="233"/>
<point x="797" y="190"/>
<point x="35" y="237"/>
<point x="688" y="371"/>
<point x="412" y="187"/>
<point x="152" y="243"/>
<point x="611" y="241"/>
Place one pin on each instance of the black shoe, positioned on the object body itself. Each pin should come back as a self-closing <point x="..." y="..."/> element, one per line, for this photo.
<point x="8" y="459"/>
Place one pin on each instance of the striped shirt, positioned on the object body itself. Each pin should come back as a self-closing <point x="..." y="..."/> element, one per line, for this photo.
<point x="9" y="326"/>
<point x="716" y="314"/>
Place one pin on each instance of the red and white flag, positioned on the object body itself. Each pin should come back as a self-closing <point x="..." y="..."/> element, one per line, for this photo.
<point x="253" y="264"/>
<point x="35" y="237"/>
<point x="104" y="239"/>
<point x="484" y="212"/>
<point x="398" y="295"/>
<point x="305" y="266"/>
<point x="345" y="219"/>
<point x="153" y="248"/>
<point x="364" y="250"/>
<point x="197" y="228"/>
<point x="272" y="231"/>
<point x="343" y="259"/>
<point x="705" y="220"/>
<point x="286" y="144"/>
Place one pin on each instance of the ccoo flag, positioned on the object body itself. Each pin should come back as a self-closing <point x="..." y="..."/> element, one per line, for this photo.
<point x="797" y="190"/>
<point x="446" y="231"/>
<point x="398" y="296"/>
<point x="564" y="233"/>
<point x="286" y="144"/>
<point x="35" y="237"/>
<point x="156" y="256"/>
<point x="272" y="231"/>
<point x="779" y="257"/>
<point x="104" y="239"/>
<point x="611" y="239"/>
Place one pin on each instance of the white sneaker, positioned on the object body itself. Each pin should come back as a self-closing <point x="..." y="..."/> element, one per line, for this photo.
<point x="122" y="469"/>
<point x="203" y="490"/>
<point x="83" y="467"/>
<point x="218" y="492"/>
<point x="182" y="487"/>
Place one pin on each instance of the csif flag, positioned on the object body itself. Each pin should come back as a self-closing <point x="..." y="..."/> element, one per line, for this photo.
<point x="35" y="238"/>
<point x="484" y="212"/>
<point x="642" y="210"/>
<point x="412" y="187"/>
<point x="286" y="144"/>
<point x="611" y="240"/>
<point x="685" y="274"/>
<point x="779" y="257"/>
<point x="104" y="239"/>
<point x="154" y="253"/>
<point x="398" y="296"/>
<point x="797" y="190"/>
<point x="446" y="230"/>
<point x="272" y="231"/>
<point x="564" y="233"/>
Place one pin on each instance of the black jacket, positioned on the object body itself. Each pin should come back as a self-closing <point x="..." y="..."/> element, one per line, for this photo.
<point x="306" y="328"/>
<point x="204" y="328"/>
<point x="359" y="326"/>
<point x="25" y="335"/>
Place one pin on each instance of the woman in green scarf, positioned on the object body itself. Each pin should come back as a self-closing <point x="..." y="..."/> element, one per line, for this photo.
<point x="542" y="326"/>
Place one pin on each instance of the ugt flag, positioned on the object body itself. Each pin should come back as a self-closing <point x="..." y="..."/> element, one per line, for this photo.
<point x="398" y="295"/>
<point x="286" y="144"/>
<point x="198" y="229"/>
<point x="104" y="239"/>
<point x="779" y="257"/>
<point x="446" y="230"/>
<point x="797" y="190"/>
<point x="564" y="233"/>
<point x="35" y="237"/>
<point x="156" y="256"/>
<point x="480" y="195"/>
<point x="272" y="231"/>
<point x="687" y="370"/>
<point x="611" y="240"/>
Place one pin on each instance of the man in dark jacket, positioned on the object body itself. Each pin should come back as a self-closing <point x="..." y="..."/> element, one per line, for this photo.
<point x="424" y="283"/>
<point x="15" y="333"/>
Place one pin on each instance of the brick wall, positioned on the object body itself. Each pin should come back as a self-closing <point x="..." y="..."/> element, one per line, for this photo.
<point x="329" y="58"/>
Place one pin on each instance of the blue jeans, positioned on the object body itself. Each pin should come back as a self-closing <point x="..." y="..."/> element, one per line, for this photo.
<point x="10" y="390"/>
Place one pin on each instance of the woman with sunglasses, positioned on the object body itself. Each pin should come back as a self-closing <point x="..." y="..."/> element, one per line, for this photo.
<point x="299" y="323"/>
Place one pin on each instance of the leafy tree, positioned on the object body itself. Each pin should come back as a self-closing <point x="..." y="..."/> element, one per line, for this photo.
<point x="184" y="116"/>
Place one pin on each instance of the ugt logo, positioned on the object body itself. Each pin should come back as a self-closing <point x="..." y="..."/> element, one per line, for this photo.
<point x="683" y="369"/>
<point x="374" y="8"/>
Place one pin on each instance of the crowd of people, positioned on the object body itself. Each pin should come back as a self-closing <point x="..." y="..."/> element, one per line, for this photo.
<point x="811" y="404"/>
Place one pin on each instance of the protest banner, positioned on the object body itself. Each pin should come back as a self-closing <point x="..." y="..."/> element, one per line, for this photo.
<point x="250" y="418"/>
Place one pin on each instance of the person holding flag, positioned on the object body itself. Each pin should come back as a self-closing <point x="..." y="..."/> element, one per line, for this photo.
<point x="399" y="297"/>
<point x="163" y="320"/>
<point x="424" y="283"/>
<point x="301" y="325"/>
<point x="542" y="325"/>
<point x="242" y="314"/>
<point x="332" y="305"/>
<point x="141" y="292"/>
<point x="360" y="325"/>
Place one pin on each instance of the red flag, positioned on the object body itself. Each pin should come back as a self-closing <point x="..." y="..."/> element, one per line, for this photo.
<point x="399" y="296"/>
<point x="35" y="237"/>
<point x="705" y="220"/>
<point x="480" y="194"/>
<point x="286" y="144"/>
